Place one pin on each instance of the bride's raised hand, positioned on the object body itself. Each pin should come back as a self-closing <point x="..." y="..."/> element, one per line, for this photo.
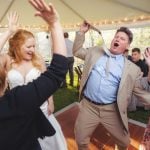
<point x="13" y="24"/>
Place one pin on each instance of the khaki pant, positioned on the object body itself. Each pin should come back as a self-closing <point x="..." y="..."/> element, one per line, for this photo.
<point x="91" y="115"/>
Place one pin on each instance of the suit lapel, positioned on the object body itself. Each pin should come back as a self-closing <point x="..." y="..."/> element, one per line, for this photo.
<point x="124" y="73"/>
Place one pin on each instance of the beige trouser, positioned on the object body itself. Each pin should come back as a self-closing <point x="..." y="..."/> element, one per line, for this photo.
<point x="89" y="117"/>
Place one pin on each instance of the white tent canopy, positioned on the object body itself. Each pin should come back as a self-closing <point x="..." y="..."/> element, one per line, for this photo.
<point x="104" y="14"/>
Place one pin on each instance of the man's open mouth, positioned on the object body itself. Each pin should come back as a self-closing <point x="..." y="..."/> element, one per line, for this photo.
<point x="116" y="44"/>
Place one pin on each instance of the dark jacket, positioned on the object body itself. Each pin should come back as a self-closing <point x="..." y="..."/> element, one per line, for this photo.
<point x="143" y="66"/>
<point x="21" y="119"/>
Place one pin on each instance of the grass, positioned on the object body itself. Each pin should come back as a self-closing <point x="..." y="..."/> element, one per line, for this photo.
<point x="140" y="115"/>
<point x="65" y="96"/>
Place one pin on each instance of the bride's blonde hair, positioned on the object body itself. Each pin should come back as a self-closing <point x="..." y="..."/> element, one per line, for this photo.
<point x="15" y="44"/>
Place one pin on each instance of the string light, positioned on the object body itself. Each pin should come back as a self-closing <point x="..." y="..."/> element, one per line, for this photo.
<point x="105" y="22"/>
<point x="134" y="20"/>
<point x="119" y="22"/>
<point x="142" y="17"/>
<point x="126" y="20"/>
<point x="112" y="22"/>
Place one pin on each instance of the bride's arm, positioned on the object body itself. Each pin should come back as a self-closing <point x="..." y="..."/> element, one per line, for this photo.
<point x="50" y="107"/>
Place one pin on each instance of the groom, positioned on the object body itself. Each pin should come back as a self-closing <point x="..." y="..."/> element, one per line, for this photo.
<point x="107" y="84"/>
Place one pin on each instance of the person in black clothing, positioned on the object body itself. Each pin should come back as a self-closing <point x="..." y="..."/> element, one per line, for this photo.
<point x="69" y="46"/>
<point x="136" y="58"/>
<point x="126" y="54"/>
<point x="21" y="120"/>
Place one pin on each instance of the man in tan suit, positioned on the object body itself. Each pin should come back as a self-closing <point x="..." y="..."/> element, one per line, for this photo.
<point x="107" y="83"/>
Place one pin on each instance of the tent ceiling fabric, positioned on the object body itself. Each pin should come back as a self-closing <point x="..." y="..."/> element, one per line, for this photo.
<point x="101" y="13"/>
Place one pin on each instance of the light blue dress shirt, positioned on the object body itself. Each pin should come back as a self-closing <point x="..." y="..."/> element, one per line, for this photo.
<point x="102" y="85"/>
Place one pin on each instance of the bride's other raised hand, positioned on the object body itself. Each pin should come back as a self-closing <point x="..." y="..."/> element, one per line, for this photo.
<point x="13" y="26"/>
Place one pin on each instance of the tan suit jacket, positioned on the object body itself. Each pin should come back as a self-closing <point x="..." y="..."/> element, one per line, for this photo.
<point x="130" y="81"/>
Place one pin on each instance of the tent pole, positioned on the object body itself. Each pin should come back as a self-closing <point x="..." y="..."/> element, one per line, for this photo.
<point x="9" y="6"/>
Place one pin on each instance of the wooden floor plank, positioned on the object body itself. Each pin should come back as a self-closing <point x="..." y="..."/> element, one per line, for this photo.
<point x="100" y="140"/>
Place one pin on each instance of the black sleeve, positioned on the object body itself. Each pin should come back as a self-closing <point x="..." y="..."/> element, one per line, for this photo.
<point x="27" y="98"/>
<point x="144" y="68"/>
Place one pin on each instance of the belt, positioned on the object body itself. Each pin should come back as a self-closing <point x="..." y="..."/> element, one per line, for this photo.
<point x="96" y="103"/>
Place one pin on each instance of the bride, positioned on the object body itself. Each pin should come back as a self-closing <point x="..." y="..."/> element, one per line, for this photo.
<point x="26" y="65"/>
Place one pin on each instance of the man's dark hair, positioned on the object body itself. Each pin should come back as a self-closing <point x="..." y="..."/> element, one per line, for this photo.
<point x="136" y="50"/>
<point x="66" y="35"/>
<point x="127" y="31"/>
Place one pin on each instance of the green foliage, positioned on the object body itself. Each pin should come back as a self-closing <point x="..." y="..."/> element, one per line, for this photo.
<point x="141" y="38"/>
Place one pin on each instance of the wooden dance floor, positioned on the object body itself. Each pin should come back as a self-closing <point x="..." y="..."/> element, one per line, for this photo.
<point x="100" y="140"/>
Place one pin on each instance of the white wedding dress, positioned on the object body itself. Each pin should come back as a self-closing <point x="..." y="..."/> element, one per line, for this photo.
<point x="56" y="142"/>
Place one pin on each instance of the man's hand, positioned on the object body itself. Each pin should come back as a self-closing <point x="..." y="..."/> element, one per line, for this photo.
<point x="47" y="12"/>
<point x="147" y="56"/>
<point x="84" y="27"/>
